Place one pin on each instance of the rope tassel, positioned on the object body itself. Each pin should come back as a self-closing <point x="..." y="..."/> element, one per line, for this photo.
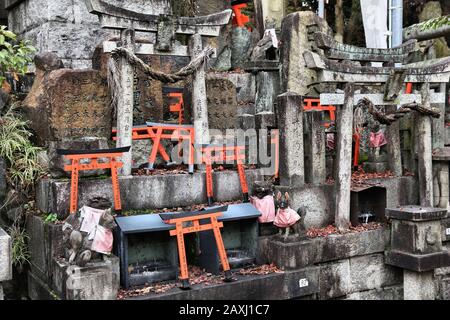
<point x="114" y="73"/>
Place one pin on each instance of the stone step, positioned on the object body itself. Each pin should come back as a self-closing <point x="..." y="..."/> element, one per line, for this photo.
<point x="144" y="192"/>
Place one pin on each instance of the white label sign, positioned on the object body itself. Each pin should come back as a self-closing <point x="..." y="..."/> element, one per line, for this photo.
<point x="447" y="232"/>
<point x="303" y="283"/>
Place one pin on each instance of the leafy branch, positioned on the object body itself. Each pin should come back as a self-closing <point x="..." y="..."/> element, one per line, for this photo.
<point x="15" y="55"/>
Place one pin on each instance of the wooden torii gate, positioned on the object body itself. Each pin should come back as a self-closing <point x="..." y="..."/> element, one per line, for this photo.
<point x="165" y="27"/>
<point x="338" y="66"/>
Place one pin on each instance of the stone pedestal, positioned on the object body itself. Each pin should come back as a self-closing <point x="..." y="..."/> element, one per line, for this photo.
<point x="51" y="278"/>
<point x="5" y="259"/>
<point x="418" y="286"/>
<point x="416" y="246"/>
<point x="96" y="281"/>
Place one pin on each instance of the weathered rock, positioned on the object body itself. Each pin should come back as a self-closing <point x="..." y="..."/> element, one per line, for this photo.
<point x="5" y="256"/>
<point x="245" y="84"/>
<point x="96" y="281"/>
<point x="274" y="286"/>
<point x="266" y="93"/>
<point x="223" y="61"/>
<point x="297" y="36"/>
<point x="418" y="286"/>
<point x="48" y="61"/>
<point x="68" y="104"/>
<point x="57" y="162"/>
<point x="315" y="164"/>
<point x="222" y="103"/>
<point x="241" y="41"/>
<point x="67" y="28"/>
<point x="431" y="10"/>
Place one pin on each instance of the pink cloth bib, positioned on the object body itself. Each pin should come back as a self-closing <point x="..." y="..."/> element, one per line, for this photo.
<point x="266" y="206"/>
<point x="286" y="218"/>
<point x="377" y="139"/>
<point x="103" y="240"/>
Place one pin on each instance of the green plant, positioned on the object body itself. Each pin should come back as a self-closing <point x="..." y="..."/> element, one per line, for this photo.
<point x="17" y="149"/>
<point x="15" y="55"/>
<point x="51" y="218"/>
<point x="20" y="251"/>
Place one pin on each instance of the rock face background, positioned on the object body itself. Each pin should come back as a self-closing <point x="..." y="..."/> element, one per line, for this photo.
<point x="67" y="28"/>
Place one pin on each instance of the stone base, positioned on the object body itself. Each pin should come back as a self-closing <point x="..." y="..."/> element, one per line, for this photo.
<point x="418" y="263"/>
<point x="301" y="254"/>
<point x="418" y="286"/>
<point x="96" y="281"/>
<point x="445" y="289"/>
<point x="274" y="286"/>
<point x="388" y="293"/>
<point x="5" y="256"/>
<point x="39" y="290"/>
<point x="144" y="192"/>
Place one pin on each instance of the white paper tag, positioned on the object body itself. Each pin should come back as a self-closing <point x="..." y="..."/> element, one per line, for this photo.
<point x="303" y="283"/>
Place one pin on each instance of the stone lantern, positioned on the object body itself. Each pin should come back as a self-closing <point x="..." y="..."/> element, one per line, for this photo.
<point x="416" y="246"/>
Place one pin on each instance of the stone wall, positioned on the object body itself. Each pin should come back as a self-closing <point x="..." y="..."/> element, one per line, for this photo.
<point x="144" y="192"/>
<point x="66" y="27"/>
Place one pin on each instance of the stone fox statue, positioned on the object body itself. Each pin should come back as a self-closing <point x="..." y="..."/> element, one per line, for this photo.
<point x="286" y="218"/>
<point x="86" y="241"/>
